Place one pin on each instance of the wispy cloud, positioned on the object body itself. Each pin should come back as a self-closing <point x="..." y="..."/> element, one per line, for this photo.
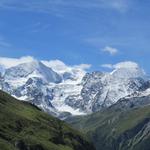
<point x="39" y="26"/>
<point x="59" y="6"/>
<point x="11" y="62"/>
<point x="35" y="27"/>
<point x="60" y="66"/>
<point x="98" y="41"/>
<point x="109" y="66"/>
<point x="110" y="50"/>
<point x="120" y="5"/>
<point x="4" y="43"/>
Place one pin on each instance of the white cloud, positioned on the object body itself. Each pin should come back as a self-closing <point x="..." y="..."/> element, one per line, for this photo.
<point x="109" y="66"/>
<point x="10" y="62"/>
<point x="125" y="64"/>
<point x="83" y="66"/>
<point x="126" y="69"/>
<point x="61" y="67"/>
<point x="110" y="50"/>
<point x="77" y="71"/>
<point x="56" y="65"/>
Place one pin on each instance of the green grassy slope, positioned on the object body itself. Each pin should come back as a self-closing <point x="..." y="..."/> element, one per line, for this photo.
<point x="24" y="127"/>
<point x="114" y="129"/>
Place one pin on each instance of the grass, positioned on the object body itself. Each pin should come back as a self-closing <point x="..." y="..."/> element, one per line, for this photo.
<point x="23" y="126"/>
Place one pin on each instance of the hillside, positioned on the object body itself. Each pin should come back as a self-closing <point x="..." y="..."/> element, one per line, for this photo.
<point x="117" y="129"/>
<point x="25" y="127"/>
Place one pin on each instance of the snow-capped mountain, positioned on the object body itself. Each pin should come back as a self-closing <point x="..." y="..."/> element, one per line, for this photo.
<point x="68" y="90"/>
<point x="102" y="90"/>
<point x="32" y="69"/>
<point x="46" y="87"/>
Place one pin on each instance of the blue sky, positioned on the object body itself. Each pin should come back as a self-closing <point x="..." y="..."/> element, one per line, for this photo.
<point x="94" y="32"/>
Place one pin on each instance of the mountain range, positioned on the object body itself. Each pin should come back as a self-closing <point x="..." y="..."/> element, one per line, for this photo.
<point x="64" y="91"/>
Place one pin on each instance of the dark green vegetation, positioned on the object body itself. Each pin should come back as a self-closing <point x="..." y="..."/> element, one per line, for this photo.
<point x="25" y="127"/>
<point x="114" y="129"/>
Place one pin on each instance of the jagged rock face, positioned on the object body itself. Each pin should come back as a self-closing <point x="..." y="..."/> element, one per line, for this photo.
<point x="37" y="91"/>
<point x="102" y="90"/>
<point x="135" y="100"/>
<point x="71" y="92"/>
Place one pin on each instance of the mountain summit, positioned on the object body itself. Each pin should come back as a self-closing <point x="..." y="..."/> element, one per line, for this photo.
<point x="127" y="70"/>
<point x="32" y="69"/>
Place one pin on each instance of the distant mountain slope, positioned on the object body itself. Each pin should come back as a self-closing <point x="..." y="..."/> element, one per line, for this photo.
<point x="123" y="126"/>
<point x="25" y="127"/>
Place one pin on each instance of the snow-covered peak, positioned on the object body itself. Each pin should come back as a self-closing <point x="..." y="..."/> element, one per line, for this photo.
<point x="74" y="73"/>
<point x="127" y="70"/>
<point x="69" y="72"/>
<point x="32" y="69"/>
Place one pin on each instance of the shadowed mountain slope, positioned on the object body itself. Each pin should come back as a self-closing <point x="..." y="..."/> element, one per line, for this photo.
<point x="120" y="127"/>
